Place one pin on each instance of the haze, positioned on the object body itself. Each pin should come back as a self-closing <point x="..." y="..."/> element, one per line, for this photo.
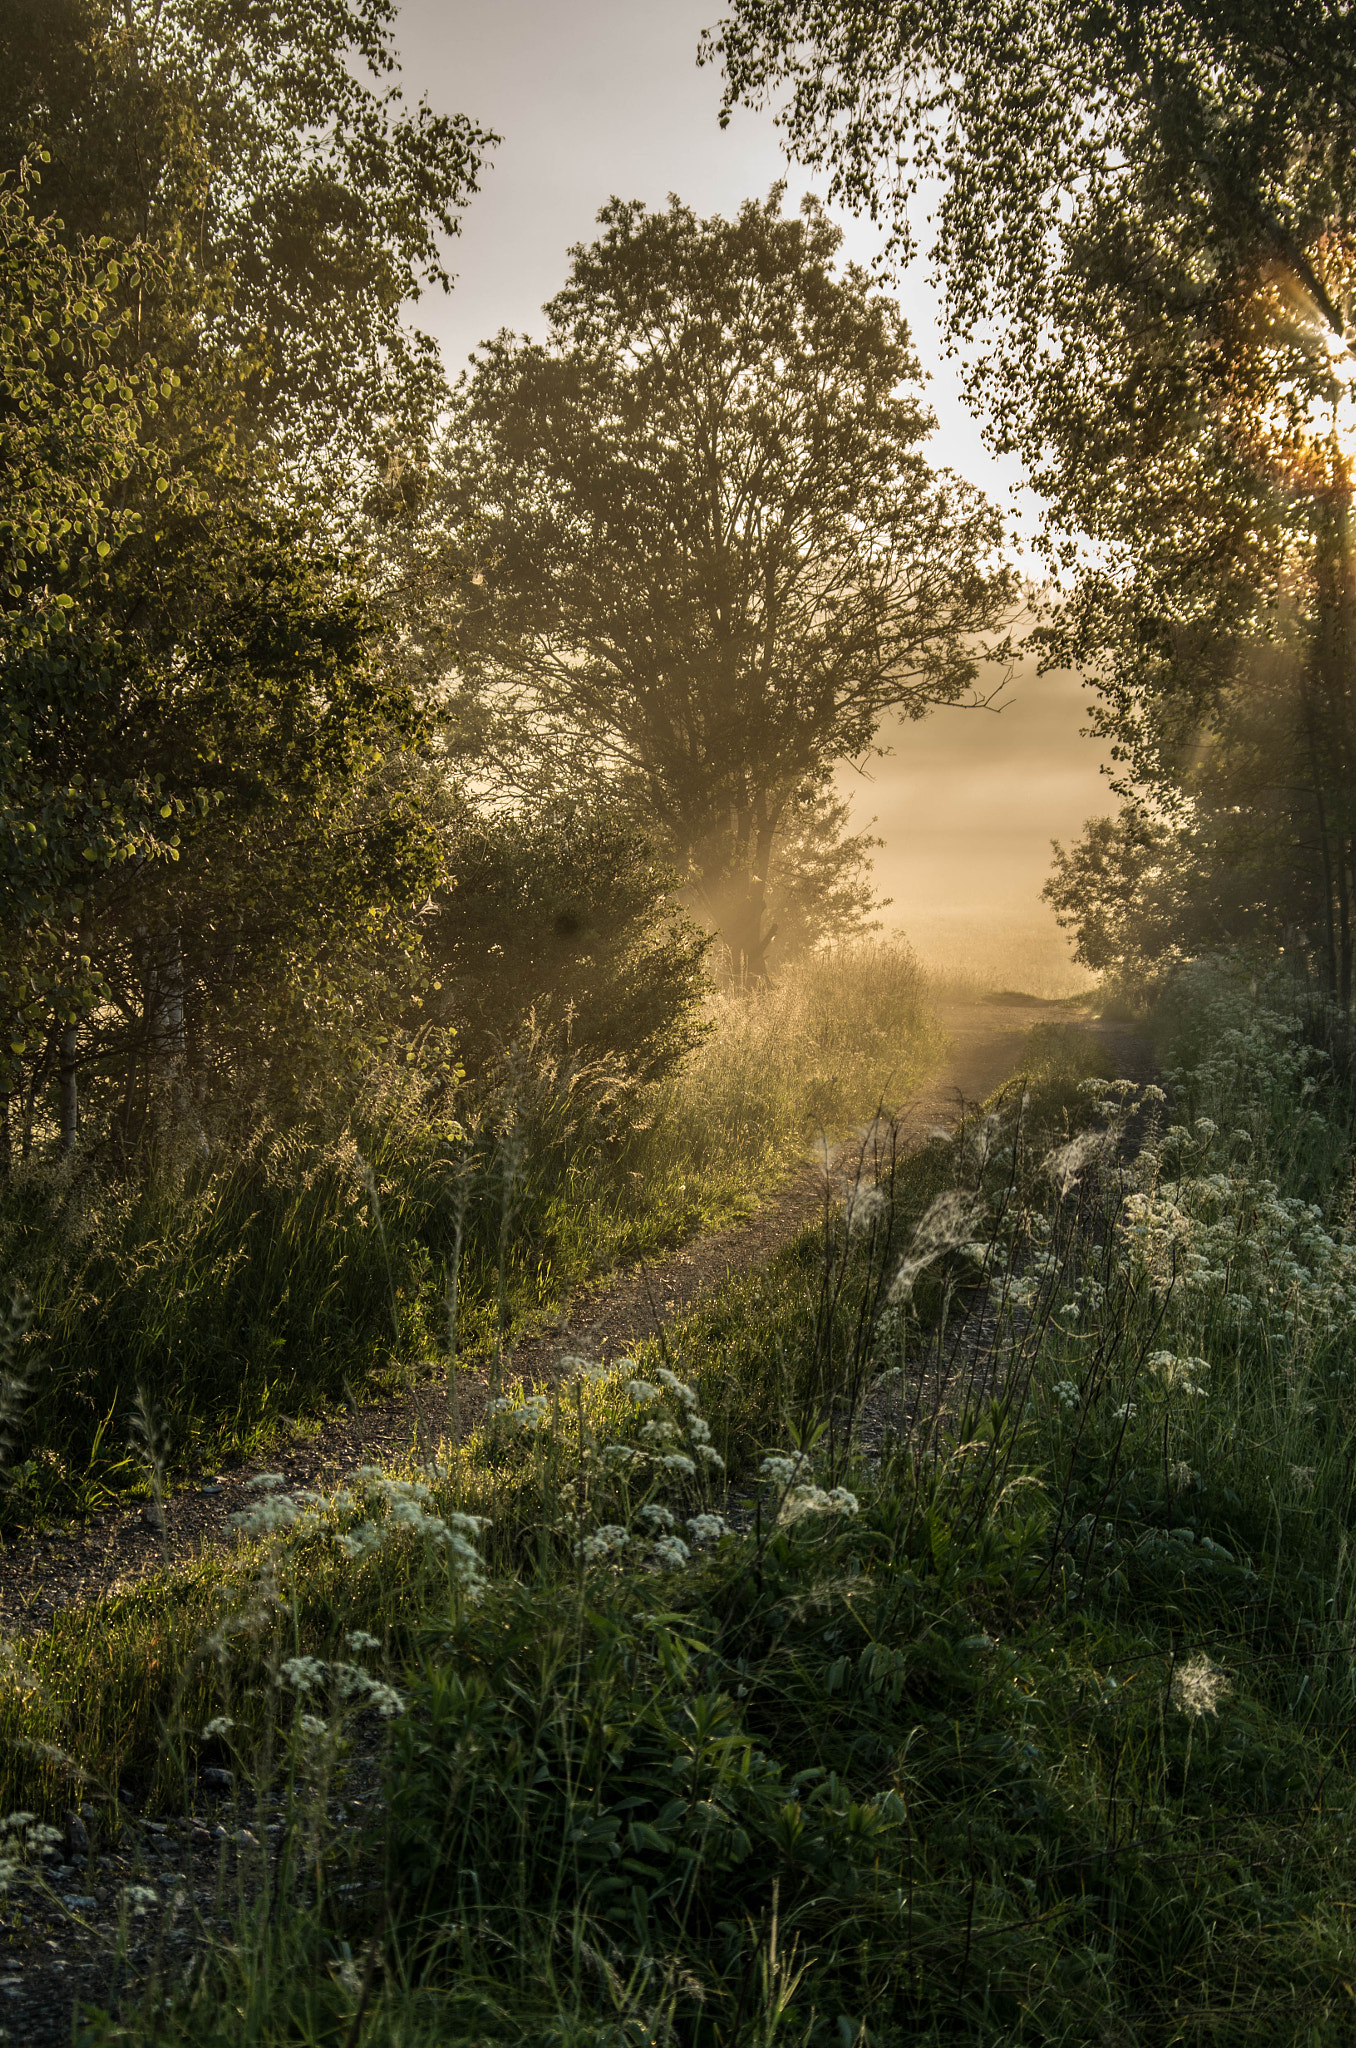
<point x="606" y="98"/>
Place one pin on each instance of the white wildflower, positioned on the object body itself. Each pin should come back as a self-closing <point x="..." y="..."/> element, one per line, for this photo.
<point x="603" y="1542"/>
<point x="1068" y="1393"/>
<point x="670" y="1552"/>
<point x="312" y="1725"/>
<point x="302" y="1673"/>
<point x="707" y="1528"/>
<point x="709" y="1454"/>
<point x="219" y="1725"/>
<point x="657" y="1517"/>
<point x="677" y="1461"/>
<point x="813" y="1500"/>
<point x="1198" y="1687"/>
<point x="359" y="1640"/>
<point x="1180" y="1475"/>
<point x="1303" y="1477"/>
<point x="642" y="1391"/>
<point x="783" y="1471"/>
<point x="676" y="1386"/>
<point x="360" y="1542"/>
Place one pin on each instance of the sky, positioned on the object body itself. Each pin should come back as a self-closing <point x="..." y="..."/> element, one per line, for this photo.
<point x="595" y="98"/>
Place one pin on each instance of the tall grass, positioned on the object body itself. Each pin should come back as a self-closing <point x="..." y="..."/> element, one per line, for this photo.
<point x="1032" y="1727"/>
<point x="289" y="1271"/>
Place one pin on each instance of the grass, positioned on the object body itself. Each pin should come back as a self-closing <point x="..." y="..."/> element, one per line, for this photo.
<point x="292" y="1270"/>
<point x="1036" y="1731"/>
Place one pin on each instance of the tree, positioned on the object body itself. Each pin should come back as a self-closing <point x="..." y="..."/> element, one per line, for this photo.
<point x="1146" y="228"/>
<point x="295" y="204"/>
<point x="69" y="439"/>
<point x="697" y="525"/>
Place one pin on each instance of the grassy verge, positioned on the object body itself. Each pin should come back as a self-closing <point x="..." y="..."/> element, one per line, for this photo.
<point x="1035" y="1728"/>
<point x="286" y="1271"/>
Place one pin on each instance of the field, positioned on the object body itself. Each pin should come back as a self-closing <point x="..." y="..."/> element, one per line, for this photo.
<point x="943" y="1636"/>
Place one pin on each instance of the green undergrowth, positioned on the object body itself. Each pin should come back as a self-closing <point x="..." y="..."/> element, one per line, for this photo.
<point x="695" y="1725"/>
<point x="167" y="1320"/>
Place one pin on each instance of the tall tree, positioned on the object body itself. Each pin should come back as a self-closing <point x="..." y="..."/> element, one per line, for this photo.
<point x="698" y="525"/>
<point x="295" y="203"/>
<point x="1146" y="230"/>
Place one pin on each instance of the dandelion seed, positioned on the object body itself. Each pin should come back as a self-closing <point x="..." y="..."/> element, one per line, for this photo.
<point x="1198" y="1687"/>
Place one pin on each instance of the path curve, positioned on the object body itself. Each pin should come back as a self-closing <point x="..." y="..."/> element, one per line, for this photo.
<point x="41" y="1574"/>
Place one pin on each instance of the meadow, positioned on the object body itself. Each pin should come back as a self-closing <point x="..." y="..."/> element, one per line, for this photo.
<point x="944" y="1634"/>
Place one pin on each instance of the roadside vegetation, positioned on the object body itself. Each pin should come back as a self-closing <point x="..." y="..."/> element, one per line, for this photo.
<point x="672" y="1713"/>
<point x="296" y="1264"/>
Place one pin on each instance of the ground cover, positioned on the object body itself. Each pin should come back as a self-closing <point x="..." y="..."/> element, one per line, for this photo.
<point x="165" y="1319"/>
<point x="672" y="1714"/>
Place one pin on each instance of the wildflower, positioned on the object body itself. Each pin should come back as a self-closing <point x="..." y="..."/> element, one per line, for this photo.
<point x="311" y="1724"/>
<point x="386" y="1701"/>
<point x="1303" y="1477"/>
<point x="671" y="1553"/>
<point x="813" y="1500"/>
<point x="219" y="1725"/>
<point x="1179" y="1375"/>
<point x="642" y="1391"/>
<point x="1180" y="1475"/>
<point x="1198" y="1687"/>
<point x="676" y="1461"/>
<point x="676" y="1386"/>
<point x="267" y="1482"/>
<point x="660" y="1431"/>
<point x="707" y="1528"/>
<point x="1068" y="1393"/>
<point x="709" y="1454"/>
<point x="657" y="1517"/>
<point x="1126" y="1412"/>
<point x="359" y="1640"/>
<point x="302" y="1673"/>
<point x="782" y="1471"/>
<point x="603" y="1542"/>
<point x="360" y="1542"/>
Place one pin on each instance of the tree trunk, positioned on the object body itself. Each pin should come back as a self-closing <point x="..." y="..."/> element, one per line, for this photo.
<point x="69" y="1087"/>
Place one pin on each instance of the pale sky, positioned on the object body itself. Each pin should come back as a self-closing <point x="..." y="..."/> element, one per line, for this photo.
<point x="601" y="97"/>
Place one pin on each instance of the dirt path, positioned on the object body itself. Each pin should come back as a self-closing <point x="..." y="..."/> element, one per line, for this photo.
<point x="41" y="1574"/>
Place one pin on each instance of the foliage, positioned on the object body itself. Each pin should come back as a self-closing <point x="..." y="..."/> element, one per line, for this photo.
<point x="1019" y="1736"/>
<point x="1158" y="284"/>
<point x="295" y="203"/>
<point x="561" y="915"/>
<point x="70" y="426"/>
<point x="697" y="525"/>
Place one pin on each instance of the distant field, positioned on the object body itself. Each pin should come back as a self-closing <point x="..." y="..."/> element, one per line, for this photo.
<point x="974" y="951"/>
